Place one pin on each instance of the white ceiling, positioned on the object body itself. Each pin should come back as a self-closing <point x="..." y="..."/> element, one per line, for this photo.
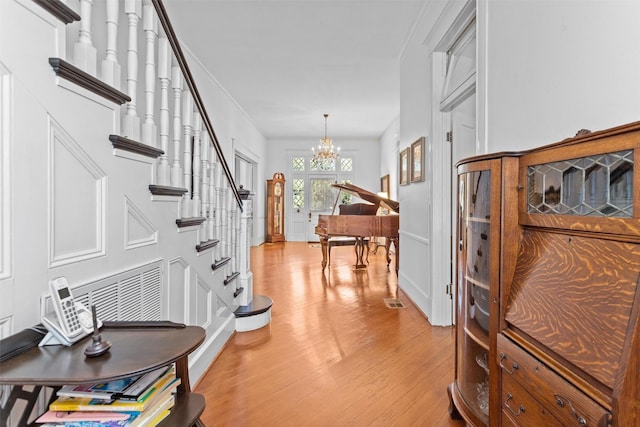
<point x="287" y="62"/>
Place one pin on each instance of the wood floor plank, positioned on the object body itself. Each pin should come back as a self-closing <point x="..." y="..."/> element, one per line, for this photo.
<point x="334" y="353"/>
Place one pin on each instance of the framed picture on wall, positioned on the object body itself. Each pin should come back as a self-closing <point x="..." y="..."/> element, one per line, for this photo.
<point x="417" y="160"/>
<point x="404" y="166"/>
<point x="384" y="185"/>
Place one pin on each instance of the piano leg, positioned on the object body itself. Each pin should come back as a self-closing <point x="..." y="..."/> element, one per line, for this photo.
<point x="359" y="248"/>
<point x="323" y="245"/>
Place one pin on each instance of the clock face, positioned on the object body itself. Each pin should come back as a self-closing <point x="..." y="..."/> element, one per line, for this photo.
<point x="277" y="190"/>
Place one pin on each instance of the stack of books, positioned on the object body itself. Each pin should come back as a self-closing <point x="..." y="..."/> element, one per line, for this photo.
<point x="140" y="400"/>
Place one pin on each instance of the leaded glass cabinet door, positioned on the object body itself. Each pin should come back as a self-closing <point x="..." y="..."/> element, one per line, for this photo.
<point x="477" y="282"/>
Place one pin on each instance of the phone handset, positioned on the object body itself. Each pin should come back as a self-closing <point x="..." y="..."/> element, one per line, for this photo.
<point x="70" y="321"/>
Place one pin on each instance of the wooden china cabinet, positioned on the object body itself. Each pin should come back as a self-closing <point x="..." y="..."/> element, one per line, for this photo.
<point x="563" y="327"/>
<point x="275" y="208"/>
<point x="482" y="228"/>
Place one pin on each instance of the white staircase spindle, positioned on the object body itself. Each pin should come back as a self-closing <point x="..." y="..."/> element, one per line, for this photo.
<point x="204" y="186"/>
<point x="187" y="125"/>
<point x="234" y="232"/>
<point x="164" y="72"/>
<point x="133" y="10"/>
<point x="229" y="221"/>
<point x="110" y="69"/>
<point x="211" y="221"/>
<point x="197" y="132"/>
<point x="219" y="208"/>
<point x="176" y="85"/>
<point x="84" y="53"/>
<point x="150" y="26"/>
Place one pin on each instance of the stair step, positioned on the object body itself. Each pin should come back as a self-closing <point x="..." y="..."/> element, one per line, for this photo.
<point x="203" y="246"/>
<point x="122" y="143"/>
<point x="231" y="278"/>
<point x="83" y="79"/>
<point x="165" y="190"/>
<point x="219" y="263"/>
<point x="59" y="10"/>
<point x="255" y="315"/>
<point x="189" y="222"/>
<point x="258" y="305"/>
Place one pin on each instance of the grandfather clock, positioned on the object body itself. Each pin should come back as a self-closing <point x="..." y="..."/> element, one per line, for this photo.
<point x="275" y="208"/>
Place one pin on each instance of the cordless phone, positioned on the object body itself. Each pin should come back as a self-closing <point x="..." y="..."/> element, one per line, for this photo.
<point x="70" y="321"/>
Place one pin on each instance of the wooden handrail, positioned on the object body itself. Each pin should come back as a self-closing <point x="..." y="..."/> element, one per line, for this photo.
<point x="177" y="51"/>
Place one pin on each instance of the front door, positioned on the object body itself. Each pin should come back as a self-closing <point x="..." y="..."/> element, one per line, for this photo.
<point x="321" y="201"/>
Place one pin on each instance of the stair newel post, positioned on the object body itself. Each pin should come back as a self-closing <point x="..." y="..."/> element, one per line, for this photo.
<point x="218" y="210"/>
<point x="164" y="69"/>
<point x="187" y="159"/>
<point x="176" y="85"/>
<point x="197" y="166"/>
<point x="133" y="10"/>
<point x="150" y="26"/>
<point x="110" y="69"/>
<point x="84" y="53"/>
<point x="246" y="277"/>
<point x="211" y="221"/>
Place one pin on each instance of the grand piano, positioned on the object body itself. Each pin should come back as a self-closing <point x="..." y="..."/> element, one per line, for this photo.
<point x="359" y="220"/>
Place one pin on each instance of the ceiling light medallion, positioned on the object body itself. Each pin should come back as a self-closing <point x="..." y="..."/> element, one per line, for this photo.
<point x="325" y="150"/>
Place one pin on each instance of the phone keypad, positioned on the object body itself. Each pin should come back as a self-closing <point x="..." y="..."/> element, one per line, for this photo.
<point x="71" y="315"/>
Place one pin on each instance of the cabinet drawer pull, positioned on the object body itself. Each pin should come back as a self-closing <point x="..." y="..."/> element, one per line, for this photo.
<point x="506" y="404"/>
<point x="560" y="400"/>
<point x="514" y="365"/>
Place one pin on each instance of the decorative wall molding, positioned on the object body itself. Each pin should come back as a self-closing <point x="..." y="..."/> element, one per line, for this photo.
<point x="6" y="137"/>
<point x="138" y="229"/>
<point x="204" y="298"/>
<point x="77" y="201"/>
<point x="178" y="291"/>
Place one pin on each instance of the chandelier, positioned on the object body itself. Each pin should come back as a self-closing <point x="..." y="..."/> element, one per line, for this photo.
<point x="325" y="150"/>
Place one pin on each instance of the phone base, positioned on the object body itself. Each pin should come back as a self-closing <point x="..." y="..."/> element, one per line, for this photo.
<point x="51" y="339"/>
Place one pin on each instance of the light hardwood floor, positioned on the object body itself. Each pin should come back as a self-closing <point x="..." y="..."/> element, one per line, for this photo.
<point x="334" y="354"/>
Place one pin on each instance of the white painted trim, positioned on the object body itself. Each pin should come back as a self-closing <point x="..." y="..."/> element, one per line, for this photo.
<point x="251" y="323"/>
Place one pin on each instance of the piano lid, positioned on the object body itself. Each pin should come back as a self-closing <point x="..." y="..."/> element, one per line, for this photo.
<point x="370" y="197"/>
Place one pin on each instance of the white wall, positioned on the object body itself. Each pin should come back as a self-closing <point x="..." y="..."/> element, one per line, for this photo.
<point x="545" y="70"/>
<point x="554" y="67"/>
<point x="389" y="142"/>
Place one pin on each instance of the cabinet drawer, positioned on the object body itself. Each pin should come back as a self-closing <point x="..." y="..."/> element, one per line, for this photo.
<point x="567" y="403"/>
<point x="519" y="408"/>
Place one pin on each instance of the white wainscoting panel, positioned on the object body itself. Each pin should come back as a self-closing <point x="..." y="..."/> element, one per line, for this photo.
<point x="178" y="290"/>
<point x="138" y="229"/>
<point x="77" y="201"/>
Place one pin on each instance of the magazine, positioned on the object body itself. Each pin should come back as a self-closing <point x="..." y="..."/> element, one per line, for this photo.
<point x="126" y="388"/>
<point x="164" y="386"/>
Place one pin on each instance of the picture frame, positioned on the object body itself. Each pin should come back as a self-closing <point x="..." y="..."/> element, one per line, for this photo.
<point x="384" y="185"/>
<point x="404" y="166"/>
<point x="417" y="160"/>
